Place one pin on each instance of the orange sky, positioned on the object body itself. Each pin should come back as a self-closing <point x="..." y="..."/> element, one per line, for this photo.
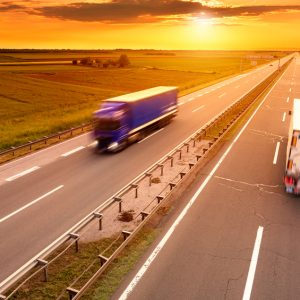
<point x="171" y="24"/>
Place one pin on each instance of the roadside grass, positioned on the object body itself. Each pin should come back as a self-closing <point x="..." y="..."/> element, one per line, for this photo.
<point x="36" y="101"/>
<point x="72" y="265"/>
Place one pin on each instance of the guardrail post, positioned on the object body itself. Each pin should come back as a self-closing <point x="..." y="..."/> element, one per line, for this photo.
<point x="180" y="153"/>
<point x="172" y="185"/>
<point x="191" y="165"/>
<point x="13" y="152"/>
<point x="119" y="200"/>
<point x="161" y="166"/>
<point x="44" y="263"/>
<point x="135" y="186"/>
<point x="182" y="174"/>
<point x="159" y="198"/>
<point x="126" y="234"/>
<point x="172" y="160"/>
<point x="100" y="217"/>
<point x="144" y="215"/>
<point x="103" y="259"/>
<point x="187" y="147"/>
<point x="150" y="178"/>
<point x="198" y="157"/>
<point x="72" y="292"/>
<point x="204" y="150"/>
<point x="210" y="144"/>
<point x="75" y="236"/>
<point x="194" y="142"/>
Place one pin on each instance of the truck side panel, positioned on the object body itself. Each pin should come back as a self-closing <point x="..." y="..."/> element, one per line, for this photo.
<point x="151" y="108"/>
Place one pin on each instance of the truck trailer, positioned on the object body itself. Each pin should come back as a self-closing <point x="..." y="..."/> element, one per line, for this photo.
<point x="292" y="172"/>
<point x="125" y="119"/>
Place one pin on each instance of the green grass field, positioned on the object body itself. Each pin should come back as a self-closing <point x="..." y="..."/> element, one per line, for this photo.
<point x="39" y="100"/>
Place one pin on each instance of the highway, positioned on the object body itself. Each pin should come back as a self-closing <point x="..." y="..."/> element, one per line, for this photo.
<point x="235" y="235"/>
<point x="46" y="193"/>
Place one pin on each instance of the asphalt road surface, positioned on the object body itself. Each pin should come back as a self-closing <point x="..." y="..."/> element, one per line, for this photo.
<point x="46" y="193"/>
<point x="240" y="237"/>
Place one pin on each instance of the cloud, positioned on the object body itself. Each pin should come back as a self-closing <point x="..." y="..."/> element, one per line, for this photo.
<point x="9" y="6"/>
<point x="142" y="11"/>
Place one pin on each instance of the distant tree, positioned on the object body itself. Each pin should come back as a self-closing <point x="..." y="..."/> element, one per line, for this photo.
<point x="86" y="61"/>
<point x="123" y="61"/>
<point x="112" y="62"/>
<point x="98" y="63"/>
<point x="106" y="64"/>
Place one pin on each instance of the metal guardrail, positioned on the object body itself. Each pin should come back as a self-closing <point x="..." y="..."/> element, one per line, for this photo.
<point x="31" y="146"/>
<point x="132" y="185"/>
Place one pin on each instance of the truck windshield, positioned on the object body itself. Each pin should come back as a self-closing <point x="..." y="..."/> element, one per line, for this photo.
<point x="107" y="124"/>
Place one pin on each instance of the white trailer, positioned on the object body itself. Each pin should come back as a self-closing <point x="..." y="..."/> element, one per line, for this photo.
<point x="292" y="172"/>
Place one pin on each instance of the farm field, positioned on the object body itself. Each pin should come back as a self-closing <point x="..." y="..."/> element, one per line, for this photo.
<point x="38" y="100"/>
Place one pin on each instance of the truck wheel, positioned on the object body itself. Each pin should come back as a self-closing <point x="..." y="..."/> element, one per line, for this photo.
<point x="123" y="145"/>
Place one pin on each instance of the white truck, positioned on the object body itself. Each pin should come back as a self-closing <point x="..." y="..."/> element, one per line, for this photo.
<point x="292" y="172"/>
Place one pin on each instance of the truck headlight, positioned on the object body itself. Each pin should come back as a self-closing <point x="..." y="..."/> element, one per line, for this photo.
<point x="113" y="146"/>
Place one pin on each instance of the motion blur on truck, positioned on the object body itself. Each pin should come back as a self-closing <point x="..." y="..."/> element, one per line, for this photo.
<point x="292" y="172"/>
<point x="126" y="119"/>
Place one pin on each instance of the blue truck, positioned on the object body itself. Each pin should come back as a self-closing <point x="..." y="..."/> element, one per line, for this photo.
<point x="126" y="119"/>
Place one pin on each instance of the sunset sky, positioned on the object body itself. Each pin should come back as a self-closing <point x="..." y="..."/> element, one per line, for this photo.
<point x="155" y="24"/>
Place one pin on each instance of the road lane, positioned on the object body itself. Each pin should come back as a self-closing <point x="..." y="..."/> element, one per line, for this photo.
<point x="209" y="254"/>
<point x="89" y="179"/>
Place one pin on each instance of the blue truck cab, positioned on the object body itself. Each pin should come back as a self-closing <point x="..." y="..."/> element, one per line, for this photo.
<point x="122" y="120"/>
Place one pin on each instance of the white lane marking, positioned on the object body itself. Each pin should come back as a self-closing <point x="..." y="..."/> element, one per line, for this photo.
<point x="23" y="173"/>
<point x="93" y="144"/>
<point x="30" y="203"/>
<point x="253" y="264"/>
<point x="283" y="117"/>
<point x="288" y="99"/>
<point x="149" y="136"/>
<point x="73" y="151"/>
<point x="276" y="153"/>
<point x="164" y="240"/>
<point x="200" y="107"/>
<point x="191" y="99"/>
<point x="290" y="89"/>
<point x="44" y="150"/>
<point x="181" y="103"/>
<point x="222" y="95"/>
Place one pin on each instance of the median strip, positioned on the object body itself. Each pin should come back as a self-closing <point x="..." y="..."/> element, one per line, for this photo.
<point x="30" y="204"/>
<point x="23" y="173"/>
